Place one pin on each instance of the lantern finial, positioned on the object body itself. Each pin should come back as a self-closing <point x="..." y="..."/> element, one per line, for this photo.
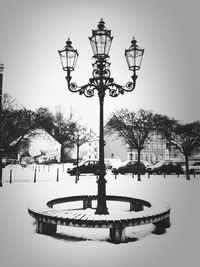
<point x="68" y="42"/>
<point x="101" y="24"/>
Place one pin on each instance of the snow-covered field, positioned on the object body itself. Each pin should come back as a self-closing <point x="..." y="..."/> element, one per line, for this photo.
<point x="21" y="246"/>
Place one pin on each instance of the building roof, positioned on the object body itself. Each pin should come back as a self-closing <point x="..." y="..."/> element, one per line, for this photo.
<point x="32" y="134"/>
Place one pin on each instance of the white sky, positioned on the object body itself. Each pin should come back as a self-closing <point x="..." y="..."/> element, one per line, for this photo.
<point x="31" y="32"/>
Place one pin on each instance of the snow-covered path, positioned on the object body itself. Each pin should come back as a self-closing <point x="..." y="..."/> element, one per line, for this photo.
<point x="20" y="246"/>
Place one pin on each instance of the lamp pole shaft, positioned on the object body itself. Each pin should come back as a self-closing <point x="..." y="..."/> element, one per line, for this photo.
<point x="101" y="196"/>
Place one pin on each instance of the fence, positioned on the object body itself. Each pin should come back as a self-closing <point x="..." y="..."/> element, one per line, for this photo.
<point x="54" y="172"/>
<point x="35" y="173"/>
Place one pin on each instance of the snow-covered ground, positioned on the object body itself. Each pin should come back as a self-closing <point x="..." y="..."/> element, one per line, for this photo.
<point x="21" y="246"/>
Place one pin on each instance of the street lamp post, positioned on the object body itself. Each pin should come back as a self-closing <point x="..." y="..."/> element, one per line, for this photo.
<point x="1" y="150"/>
<point x="101" y="81"/>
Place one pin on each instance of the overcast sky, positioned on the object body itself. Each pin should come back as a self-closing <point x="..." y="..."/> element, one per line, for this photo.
<point x="31" y="32"/>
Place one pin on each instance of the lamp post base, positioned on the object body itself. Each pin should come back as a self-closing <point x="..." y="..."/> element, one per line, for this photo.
<point x="101" y="197"/>
<point x="102" y="211"/>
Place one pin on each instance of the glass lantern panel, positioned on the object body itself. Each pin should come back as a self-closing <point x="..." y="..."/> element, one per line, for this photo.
<point x="93" y="45"/>
<point x="71" y="59"/>
<point x="101" y="44"/>
<point x="63" y="59"/>
<point x="138" y="58"/>
<point x="134" y="58"/>
<point x="108" y="44"/>
<point x="75" y="60"/>
<point x="130" y="59"/>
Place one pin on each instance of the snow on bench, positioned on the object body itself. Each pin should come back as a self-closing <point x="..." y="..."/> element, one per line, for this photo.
<point x="141" y="212"/>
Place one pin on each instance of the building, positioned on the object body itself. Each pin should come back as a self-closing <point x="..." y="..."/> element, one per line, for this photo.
<point x="87" y="151"/>
<point x="92" y="148"/>
<point x="40" y="146"/>
<point x="155" y="149"/>
<point x="115" y="148"/>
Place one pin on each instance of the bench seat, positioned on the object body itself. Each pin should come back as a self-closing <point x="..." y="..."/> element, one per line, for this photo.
<point x="48" y="217"/>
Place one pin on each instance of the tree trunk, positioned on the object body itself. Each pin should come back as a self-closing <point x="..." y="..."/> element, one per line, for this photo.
<point x="1" y="171"/>
<point x="1" y="150"/>
<point x="187" y="167"/>
<point x="77" y="165"/>
<point x="139" y="172"/>
<point x="62" y="153"/>
<point x="131" y="154"/>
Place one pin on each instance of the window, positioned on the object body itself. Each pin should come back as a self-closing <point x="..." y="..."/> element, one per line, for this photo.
<point x="164" y="146"/>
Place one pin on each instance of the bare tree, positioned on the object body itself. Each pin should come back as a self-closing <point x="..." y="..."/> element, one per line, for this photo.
<point x="185" y="137"/>
<point x="9" y="103"/>
<point x="16" y="122"/>
<point x="64" y="131"/>
<point x="81" y="136"/>
<point x="44" y="119"/>
<point x="134" y="128"/>
<point x="15" y="125"/>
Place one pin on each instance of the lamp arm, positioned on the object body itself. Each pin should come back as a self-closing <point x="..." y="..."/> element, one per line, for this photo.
<point x="116" y="89"/>
<point x="87" y="89"/>
<point x="95" y="84"/>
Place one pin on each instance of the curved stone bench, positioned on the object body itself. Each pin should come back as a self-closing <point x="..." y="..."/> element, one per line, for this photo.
<point x="48" y="217"/>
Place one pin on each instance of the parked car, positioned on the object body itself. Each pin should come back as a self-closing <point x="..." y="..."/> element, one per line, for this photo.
<point x="89" y="166"/>
<point x="193" y="167"/>
<point x="167" y="167"/>
<point x="130" y="166"/>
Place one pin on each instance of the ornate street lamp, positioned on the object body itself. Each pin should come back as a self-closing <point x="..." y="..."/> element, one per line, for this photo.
<point x="101" y="81"/>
